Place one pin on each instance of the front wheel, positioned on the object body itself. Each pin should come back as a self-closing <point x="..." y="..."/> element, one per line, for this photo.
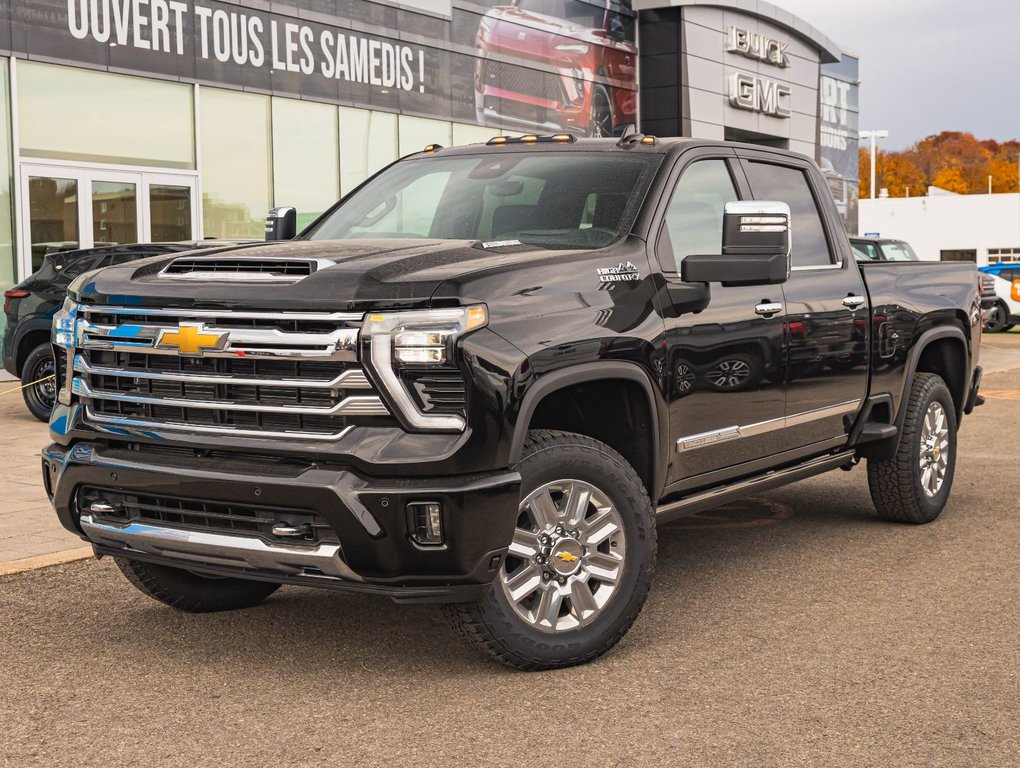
<point x="37" y="374"/>
<point x="600" y="120"/>
<point x="913" y="486"/>
<point x="192" y="593"/>
<point x="580" y="564"/>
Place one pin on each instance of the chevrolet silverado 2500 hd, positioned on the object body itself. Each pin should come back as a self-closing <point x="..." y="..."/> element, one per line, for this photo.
<point x="486" y="376"/>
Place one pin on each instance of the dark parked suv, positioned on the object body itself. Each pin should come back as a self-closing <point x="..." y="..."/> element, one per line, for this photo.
<point x="30" y="305"/>
<point x="489" y="374"/>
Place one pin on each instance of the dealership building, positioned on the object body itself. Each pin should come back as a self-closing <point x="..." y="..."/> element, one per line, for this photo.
<point x="158" y="120"/>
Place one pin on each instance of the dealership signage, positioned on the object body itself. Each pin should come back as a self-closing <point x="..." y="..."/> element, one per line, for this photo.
<point x="759" y="94"/>
<point x="755" y="45"/>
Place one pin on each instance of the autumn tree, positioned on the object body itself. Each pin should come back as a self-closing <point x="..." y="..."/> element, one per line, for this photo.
<point x="950" y="160"/>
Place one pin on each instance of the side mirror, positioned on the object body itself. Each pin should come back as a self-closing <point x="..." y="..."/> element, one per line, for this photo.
<point x="281" y="224"/>
<point x="756" y="247"/>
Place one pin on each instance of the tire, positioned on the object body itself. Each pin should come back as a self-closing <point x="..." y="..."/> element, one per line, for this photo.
<point x="544" y="627"/>
<point x="600" y="120"/>
<point x="903" y="491"/>
<point x="192" y="593"/>
<point x="998" y="319"/>
<point x="42" y="396"/>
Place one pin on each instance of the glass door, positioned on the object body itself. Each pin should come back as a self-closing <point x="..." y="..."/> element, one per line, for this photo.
<point x="69" y="207"/>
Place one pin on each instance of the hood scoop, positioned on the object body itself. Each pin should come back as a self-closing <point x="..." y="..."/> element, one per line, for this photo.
<point x="239" y="269"/>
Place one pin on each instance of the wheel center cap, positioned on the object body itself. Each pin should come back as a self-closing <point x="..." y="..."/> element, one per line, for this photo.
<point x="565" y="556"/>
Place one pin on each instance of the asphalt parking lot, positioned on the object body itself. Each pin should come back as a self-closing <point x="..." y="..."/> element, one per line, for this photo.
<point x="790" y="629"/>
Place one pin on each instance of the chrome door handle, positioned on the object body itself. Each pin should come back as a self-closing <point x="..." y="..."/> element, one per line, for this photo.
<point x="853" y="302"/>
<point x="768" y="308"/>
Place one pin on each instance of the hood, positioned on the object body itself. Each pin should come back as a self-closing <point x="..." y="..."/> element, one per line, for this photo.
<point x="349" y="275"/>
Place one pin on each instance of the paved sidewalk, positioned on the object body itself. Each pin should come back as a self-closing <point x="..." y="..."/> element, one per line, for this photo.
<point x="28" y="527"/>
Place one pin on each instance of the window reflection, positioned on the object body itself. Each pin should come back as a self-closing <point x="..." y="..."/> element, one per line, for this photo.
<point x="169" y="213"/>
<point x="114" y="213"/>
<point x="53" y="216"/>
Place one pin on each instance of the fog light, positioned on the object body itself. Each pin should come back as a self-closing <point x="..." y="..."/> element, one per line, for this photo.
<point x="425" y="520"/>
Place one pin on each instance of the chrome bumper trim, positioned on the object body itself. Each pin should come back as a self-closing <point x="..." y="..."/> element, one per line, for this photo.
<point x="219" y="549"/>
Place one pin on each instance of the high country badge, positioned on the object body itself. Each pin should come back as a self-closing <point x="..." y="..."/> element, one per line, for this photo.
<point x="621" y="273"/>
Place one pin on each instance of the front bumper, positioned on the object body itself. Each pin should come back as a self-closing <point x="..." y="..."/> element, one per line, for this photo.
<point x="372" y="550"/>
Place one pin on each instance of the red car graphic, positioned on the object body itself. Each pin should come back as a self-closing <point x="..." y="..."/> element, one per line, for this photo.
<point x="557" y="65"/>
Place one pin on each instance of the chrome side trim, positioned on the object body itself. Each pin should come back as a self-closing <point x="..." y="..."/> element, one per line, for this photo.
<point x="704" y="439"/>
<point x="351" y="379"/>
<point x="353" y="405"/>
<point x="219" y="549"/>
<point x="132" y="425"/>
<point x="348" y="317"/>
<point x="382" y="365"/>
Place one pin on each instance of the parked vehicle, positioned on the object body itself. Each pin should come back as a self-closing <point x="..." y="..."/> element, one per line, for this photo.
<point x="882" y="249"/>
<point x="582" y="76"/>
<point x="488" y="375"/>
<point x="1004" y="312"/>
<point x="31" y="304"/>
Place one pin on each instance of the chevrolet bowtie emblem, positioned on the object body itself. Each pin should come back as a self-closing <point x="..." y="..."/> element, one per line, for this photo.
<point x="566" y="557"/>
<point x="190" y="339"/>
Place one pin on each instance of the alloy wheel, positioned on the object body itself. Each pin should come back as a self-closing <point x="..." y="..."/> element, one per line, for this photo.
<point x="729" y="374"/>
<point x="934" y="458"/>
<point x="566" y="559"/>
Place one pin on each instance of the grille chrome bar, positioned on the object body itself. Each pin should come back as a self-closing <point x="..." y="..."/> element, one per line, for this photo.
<point x="353" y="405"/>
<point x="129" y="423"/>
<point x="353" y="378"/>
<point x="334" y="317"/>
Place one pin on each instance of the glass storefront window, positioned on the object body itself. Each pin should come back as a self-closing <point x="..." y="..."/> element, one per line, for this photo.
<point x="169" y="213"/>
<point x="53" y="216"/>
<point x="114" y="213"/>
<point x="306" y="161"/>
<point x="8" y="268"/>
<point x="235" y="163"/>
<point x="368" y="142"/>
<point x="77" y="114"/>
<point x="418" y="132"/>
<point x="473" y="134"/>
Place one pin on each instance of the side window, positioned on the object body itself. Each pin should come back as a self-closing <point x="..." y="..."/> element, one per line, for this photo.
<point x="790" y="185"/>
<point x="694" y="219"/>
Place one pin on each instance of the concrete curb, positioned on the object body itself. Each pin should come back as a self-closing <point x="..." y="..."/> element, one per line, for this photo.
<point x="44" y="561"/>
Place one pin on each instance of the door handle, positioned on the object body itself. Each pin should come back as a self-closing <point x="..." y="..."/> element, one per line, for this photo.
<point x="853" y="302"/>
<point x="768" y="308"/>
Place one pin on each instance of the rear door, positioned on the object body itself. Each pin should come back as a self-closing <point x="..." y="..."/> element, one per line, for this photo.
<point x="827" y="312"/>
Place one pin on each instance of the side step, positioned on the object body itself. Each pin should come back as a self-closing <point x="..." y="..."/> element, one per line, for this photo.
<point x="874" y="431"/>
<point x="697" y="502"/>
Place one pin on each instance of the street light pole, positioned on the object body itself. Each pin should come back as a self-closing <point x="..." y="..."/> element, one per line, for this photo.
<point x="873" y="135"/>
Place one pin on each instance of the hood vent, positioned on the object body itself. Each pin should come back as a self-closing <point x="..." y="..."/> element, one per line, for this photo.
<point x="239" y="269"/>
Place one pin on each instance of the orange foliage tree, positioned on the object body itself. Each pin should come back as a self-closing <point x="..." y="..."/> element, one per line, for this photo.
<point x="950" y="160"/>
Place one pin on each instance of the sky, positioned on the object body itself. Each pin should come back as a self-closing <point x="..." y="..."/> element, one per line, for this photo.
<point x="928" y="65"/>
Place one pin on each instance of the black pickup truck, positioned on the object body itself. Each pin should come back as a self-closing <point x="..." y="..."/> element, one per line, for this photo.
<point x="487" y="375"/>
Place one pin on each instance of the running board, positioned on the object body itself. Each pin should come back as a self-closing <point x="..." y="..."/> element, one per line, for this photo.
<point x="772" y="479"/>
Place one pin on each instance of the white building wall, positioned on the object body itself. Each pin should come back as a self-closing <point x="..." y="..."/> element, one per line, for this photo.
<point x="947" y="222"/>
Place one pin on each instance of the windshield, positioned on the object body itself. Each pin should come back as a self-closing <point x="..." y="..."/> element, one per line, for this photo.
<point x="547" y="199"/>
<point x="898" y="252"/>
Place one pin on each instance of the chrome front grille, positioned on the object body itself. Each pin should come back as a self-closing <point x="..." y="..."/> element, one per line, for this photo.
<point x="265" y="374"/>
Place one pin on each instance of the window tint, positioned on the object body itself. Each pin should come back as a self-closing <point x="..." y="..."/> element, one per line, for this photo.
<point x="694" y="219"/>
<point x="790" y="185"/>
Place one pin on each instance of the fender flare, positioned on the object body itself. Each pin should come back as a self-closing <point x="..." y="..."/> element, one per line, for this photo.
<point x="602" y="371"/>
<point x="25" y="328"/>
<point x="914" y="357"/>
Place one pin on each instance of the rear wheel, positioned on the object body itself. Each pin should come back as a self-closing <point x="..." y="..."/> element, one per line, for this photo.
<point x="913" y="486"/>
<point x="190" y="592"/>
<point x="580" y="564"/>
<point x="38" y="373"/>
<point x="998" y="319"/>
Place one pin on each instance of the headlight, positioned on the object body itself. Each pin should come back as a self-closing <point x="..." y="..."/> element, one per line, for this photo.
<point x="64" y="324"/>
<point x="578" y="48"/>
<point x="65" y="335"/>
<point x="422" y="339"/>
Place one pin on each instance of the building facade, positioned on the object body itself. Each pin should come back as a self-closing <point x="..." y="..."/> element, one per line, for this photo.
<point x="943" y="226"/>
<point x="149" y="120"/>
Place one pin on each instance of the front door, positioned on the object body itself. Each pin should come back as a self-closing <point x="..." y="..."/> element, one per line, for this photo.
<point x="725" y="362"/>
<point x="66" y="207"/>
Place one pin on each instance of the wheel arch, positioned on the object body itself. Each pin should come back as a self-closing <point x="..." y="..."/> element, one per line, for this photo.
<point x="587" y="382"/>
<point x="943" y="351"/>
<point x="30" y="336"/>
